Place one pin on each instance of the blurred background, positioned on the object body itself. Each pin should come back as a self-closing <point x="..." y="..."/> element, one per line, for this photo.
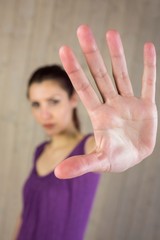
<point x="127" y="205"/>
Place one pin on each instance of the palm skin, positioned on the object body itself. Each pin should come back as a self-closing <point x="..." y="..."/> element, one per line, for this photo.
<point x="130" y="133"/>
<point x="124" y="126"/>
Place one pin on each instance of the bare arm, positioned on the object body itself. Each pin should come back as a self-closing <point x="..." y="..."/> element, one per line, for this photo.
<point x="17" y="227"/>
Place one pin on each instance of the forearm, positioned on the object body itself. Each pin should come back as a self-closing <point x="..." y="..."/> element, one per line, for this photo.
<point x="17" y="228"/>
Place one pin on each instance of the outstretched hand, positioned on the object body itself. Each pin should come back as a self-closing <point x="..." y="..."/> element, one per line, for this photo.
<point x="124" y="126"/>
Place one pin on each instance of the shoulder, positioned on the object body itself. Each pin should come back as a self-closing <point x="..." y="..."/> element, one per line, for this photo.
<point x="89" y="144"/>
<point x="40" y="147"/>
<point x="42" y="144"/>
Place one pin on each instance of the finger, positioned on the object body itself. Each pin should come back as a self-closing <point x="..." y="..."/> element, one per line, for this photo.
<point x="119" y="65"/>
<point x="79" y="79"/>
<point x="79" y="165"/>
<point x="95" y="62"/>
<point x="149" y="74"/>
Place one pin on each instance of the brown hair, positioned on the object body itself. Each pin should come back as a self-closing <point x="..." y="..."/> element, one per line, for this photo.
<point x="57" y="74"/>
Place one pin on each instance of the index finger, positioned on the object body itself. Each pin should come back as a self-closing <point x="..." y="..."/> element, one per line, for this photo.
<point x="78" y="78"/>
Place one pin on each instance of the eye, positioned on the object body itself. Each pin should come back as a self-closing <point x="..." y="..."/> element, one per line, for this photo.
<point x="35" y="104"/>
<point x="54" y="101"/>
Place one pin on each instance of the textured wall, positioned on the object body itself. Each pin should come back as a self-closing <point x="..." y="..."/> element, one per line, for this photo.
<point x="127" y="205"/>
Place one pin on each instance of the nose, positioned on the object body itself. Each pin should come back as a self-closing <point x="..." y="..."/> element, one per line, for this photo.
<point x="45" y="113"/>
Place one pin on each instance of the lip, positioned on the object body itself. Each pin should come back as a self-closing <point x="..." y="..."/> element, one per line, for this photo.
<point x="48" y="126"/>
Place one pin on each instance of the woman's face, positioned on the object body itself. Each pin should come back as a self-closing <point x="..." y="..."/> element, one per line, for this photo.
<point x="51" y="106"/>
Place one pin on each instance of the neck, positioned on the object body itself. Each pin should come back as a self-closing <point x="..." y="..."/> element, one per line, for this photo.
<point x="64" y="138"/>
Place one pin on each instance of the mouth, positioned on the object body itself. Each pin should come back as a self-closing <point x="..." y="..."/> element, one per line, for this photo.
<point x="48" y="126"/>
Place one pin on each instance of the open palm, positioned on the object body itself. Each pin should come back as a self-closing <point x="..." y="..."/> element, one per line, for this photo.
<point x="124" y="126"/>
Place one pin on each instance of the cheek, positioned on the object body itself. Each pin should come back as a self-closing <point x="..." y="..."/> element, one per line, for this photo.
<point x="66" y="114"/>
<point x="36" y="115"/>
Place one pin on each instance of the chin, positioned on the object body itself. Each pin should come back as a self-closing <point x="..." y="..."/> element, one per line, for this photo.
<point x="50" y="133"/>
<point x="54" y="132"/>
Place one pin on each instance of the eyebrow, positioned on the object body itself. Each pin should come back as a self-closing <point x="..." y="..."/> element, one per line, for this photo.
<point x="48" y="98"/>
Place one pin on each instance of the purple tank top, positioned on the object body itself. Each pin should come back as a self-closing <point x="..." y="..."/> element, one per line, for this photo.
<point x="55" y="209"/>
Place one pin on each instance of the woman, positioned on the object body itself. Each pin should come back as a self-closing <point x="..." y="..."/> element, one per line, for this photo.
<point x="53" y="208"/>
<point x="124" y="126"/>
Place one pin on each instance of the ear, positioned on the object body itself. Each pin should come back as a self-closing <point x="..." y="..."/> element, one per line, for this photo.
<point x="74" y="100"/>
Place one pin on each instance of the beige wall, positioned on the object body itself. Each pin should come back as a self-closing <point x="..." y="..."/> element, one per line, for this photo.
<point x="127" y="206"/>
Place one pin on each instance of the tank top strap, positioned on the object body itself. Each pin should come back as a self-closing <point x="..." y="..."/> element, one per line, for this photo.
<point x="81" y="146"/>
<point x="38" y="151"/>
<point x="86" y="137"/>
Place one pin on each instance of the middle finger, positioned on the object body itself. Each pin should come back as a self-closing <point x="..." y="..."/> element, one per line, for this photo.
<point x="95" y="62"/>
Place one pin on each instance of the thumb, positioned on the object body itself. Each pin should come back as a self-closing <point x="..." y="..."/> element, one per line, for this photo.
<point x="78" y="165"/>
